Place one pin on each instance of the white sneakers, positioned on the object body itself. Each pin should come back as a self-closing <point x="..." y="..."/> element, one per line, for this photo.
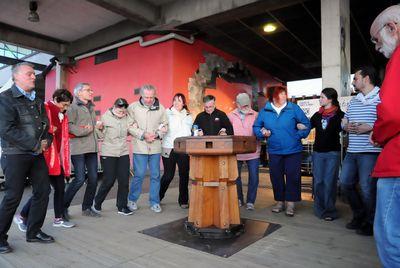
<point x="156" y="208"/>
<point x="132" y="205"/>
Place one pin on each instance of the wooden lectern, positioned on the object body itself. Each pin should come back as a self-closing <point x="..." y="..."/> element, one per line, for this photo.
<point x="213" y="208"/>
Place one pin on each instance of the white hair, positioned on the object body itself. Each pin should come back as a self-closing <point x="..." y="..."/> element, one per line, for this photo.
<point x="15" y="68"/>
<point x="390" y="14"/>
<point x="147" y="87"/>
<point x="79" y="87"/>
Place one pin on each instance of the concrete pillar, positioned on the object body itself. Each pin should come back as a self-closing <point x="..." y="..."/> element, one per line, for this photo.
<point x="335" y="34"/>
<point x="61" y="76"/>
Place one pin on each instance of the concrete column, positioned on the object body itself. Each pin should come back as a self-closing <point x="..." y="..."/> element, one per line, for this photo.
<point x="335" y="34"/>
<point x="61" y="76"/>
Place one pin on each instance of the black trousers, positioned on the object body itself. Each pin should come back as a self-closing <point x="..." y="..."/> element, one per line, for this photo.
<point x="182" y="160"/>
<point x="114" y="168"/>
<point x="58" y="184"/>
<point x="16" y="169"/>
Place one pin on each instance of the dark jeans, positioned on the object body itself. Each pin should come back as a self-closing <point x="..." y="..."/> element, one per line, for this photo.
<point x="289" y="165"/>
<point x="16" y="169"/>
<point x="325" y="177"/>
<point x="88" y="160"/>
<point x="58" y="184"/>
<point x="182" y="160"/>
<point x="252" y="166"/>
<point x="357" y="168"/>
<point x="114" y="168"/>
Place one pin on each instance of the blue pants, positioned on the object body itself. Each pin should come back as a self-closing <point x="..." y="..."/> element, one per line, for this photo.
<point x="289" y="165"/>
<point x="386" y="225"/>
<point x="140" y="162"/>
<point x="80" y="161"/>
<point x="357" y="168"/>
<point x="325" y="177"/>
<point x="252" y="166"/>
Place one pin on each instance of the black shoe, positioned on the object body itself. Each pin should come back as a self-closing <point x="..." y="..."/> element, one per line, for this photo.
<point x="5" y="248"/>
<point x="366" y="229"/>
<point x="354" y="224"/>
<point x="125" y="211"/>
<point x="41" y="238"/>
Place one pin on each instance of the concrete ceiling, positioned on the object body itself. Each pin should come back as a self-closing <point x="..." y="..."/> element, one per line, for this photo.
<point x="73" y="27"/>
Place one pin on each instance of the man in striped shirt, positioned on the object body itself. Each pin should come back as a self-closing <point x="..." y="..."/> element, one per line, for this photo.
<point x="361" y="154"/>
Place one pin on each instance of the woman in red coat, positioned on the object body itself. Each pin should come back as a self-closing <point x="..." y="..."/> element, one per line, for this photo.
<point x="57" y="157"/>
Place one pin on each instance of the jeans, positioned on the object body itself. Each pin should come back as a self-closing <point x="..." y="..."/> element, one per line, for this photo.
<point x="325" y="177"/>
<point x="182" y="160"/>
<point x="114" y="168"/>
<point x="80" y="161"/>
<point x="16" y="169"/>
<point x="386" y="227"/>
<point x="252" y="166"/>
<point x="58" y="184"/>
<point x="289" y="165"/>
<point x="357" y="168"/>
<point x="140" y="162"/>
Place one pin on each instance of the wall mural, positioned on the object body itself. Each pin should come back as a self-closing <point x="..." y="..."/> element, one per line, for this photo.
<point x="213" y="67"/>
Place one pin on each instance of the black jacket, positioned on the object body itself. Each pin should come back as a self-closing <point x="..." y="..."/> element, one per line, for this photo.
<point x="327" y="139"/>
<point x="212" y="123"/>
<point x="23" y="123"/>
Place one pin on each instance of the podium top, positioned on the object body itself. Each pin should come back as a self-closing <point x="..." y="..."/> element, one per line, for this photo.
<point x="215" y="145"/>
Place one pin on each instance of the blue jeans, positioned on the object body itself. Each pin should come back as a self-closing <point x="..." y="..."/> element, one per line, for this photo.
<point x="325" y="177"/>
<point x="386" y="227"/>
<point x="289" y="166"/>
<point x="252" y="166"/>
<point x="140" y="162"/>
<point x="357" y="168"/>
<point x="80" y="161"/>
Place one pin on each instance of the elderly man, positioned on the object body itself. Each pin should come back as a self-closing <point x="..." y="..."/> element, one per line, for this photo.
<point x="242" y="120"/>
<point x="24" y="136"/>
<point x="148" y="124"/>
<point x="361" y="156"/>
<point x="212" y="121"/>
<point x="385" y="34"/>
<point x="83" y="143"/>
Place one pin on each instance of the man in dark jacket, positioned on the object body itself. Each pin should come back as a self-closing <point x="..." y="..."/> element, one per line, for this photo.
<point x="212" y="121"/>
<point x="24" y="136"/>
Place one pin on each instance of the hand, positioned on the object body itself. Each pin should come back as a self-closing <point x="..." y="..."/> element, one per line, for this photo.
<point x="362" y="128"/>
<point x="200" y="132"/>
<point x="149" y="137"/>
<point x="99" y="125"/>
<point x="222" y="132"/>
<point x="43" y="146"/>
<point x="164" y="129"/>
<point x="54" y="129"/>
<point x="266" y="132"/>
<point x="300" y="126"/>
<point x="88" y="127"/>
<point x="374" y="143"/>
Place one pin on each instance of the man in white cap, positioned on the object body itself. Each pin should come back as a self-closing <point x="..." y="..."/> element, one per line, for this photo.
<point x="242" y="119"/>
<point x="385" y="34"/>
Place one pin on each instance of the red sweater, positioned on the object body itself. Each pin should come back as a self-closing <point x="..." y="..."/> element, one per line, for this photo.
<point x="386" y="130"/>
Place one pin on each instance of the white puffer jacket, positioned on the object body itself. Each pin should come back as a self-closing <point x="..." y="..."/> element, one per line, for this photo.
<point x="179" y="125"/>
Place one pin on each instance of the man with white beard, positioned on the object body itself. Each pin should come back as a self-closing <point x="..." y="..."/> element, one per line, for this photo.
<point x="385" y="34"/>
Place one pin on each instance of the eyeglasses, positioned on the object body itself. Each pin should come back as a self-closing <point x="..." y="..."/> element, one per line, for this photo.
<point x="374" y="40"/>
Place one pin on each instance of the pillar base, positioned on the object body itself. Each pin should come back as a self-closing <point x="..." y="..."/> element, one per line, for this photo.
<point x="212" y="232"/>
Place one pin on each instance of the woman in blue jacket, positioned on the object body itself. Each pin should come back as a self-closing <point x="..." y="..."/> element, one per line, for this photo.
<point x="284" y="124"/>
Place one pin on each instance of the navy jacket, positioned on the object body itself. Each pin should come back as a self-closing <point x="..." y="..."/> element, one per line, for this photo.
<point x="285" y="137"/>
<point x="23" y="123"/>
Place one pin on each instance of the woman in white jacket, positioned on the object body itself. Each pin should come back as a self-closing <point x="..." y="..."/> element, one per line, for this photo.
<point x="179" y="125"/>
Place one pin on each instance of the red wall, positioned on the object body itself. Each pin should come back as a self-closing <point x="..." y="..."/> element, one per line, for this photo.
<point x="168" y="66"/>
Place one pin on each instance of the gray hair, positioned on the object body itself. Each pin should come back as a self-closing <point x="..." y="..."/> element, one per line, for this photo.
<point x="15" y="68"/>
<point x="208" y="98"/>
<point x="79" y="87"/>
<point x="146" y="87"/>
<point x="390" y="14"/>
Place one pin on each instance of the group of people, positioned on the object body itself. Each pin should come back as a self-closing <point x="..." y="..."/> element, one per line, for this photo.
<point x="40" y="139"/>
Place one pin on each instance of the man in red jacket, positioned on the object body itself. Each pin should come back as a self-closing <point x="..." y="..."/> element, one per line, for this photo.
<point x="385" y="34"/>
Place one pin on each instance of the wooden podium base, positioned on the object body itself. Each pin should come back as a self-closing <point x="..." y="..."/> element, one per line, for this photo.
<point x="213" y="232"/>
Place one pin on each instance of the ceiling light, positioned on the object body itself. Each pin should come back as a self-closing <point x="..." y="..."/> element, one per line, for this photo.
<point x="269" y="28"/>
<point x="33" y="15"/>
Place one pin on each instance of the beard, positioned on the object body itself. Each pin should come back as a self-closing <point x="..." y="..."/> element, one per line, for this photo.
<point x="389" y="44"/>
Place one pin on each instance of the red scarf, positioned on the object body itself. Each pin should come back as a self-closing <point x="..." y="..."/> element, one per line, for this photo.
<point x="328" y="112"/>
<point x="56" y="159"/>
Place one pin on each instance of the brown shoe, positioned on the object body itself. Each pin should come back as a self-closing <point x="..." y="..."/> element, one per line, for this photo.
<point x="279" y="207"/>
